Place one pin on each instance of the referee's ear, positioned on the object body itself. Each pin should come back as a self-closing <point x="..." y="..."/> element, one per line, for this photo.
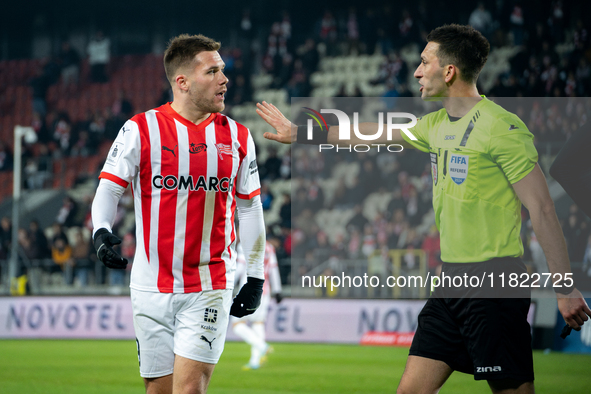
<point x="451" y="73"/>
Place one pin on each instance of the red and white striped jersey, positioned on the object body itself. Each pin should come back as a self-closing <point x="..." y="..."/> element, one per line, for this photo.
<point x="272" y="283"/>
<point x="185" y="178"/>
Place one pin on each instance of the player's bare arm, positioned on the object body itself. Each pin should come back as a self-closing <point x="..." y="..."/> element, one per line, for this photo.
<point x="286" y="131"/>
<point x="533" y="192"/>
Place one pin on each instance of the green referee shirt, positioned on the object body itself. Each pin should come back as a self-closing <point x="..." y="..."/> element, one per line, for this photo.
<point x="474" y="161"/>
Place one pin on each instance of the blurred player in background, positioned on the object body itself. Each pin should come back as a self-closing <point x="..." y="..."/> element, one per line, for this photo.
<point x="254" y="334"/>
<point x="484" y="166"/>
<point x="191" y="169"/>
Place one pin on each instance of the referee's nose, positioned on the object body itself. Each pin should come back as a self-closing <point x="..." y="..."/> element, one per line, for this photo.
<point x="419" y="71"/>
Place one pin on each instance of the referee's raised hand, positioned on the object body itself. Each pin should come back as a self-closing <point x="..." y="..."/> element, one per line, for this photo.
<point x="573" y="309"/>
<point x="104" y="241"/>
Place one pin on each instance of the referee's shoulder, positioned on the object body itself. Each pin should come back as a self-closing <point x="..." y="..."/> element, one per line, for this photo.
<point x="502" y="121"/>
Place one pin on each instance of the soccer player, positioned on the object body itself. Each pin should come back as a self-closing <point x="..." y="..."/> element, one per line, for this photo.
<point x="190" y="169"/>
<point x="484" y="166"/>
<point x="254" y="334"/>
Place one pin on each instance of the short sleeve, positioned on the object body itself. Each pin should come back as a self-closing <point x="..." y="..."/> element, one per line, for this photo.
<point x="248" y="184"/>
<point x="512" y="148"/>
<point x="421" y="132"/>
<point x="123" y="159"/>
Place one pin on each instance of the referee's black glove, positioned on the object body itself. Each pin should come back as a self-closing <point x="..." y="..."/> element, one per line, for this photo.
<point x="103" y="243"/>
<point x="248" y="298"/>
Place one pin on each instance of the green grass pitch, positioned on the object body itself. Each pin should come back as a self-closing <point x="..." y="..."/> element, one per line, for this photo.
<point x="87" y="367"/>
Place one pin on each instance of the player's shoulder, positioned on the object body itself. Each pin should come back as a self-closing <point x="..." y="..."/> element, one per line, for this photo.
<point x="226" y="120"/>
<point x="140" y="118"/>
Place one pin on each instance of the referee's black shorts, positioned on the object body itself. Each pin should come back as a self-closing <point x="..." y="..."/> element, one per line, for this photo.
<point x="487" y="337"/>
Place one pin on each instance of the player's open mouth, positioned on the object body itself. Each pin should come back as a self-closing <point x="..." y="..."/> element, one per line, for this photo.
<point x="220" y="95"/>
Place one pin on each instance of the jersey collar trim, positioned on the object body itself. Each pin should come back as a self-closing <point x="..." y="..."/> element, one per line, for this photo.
<point x="468" y="115"/>
<point x="192" y="126"/>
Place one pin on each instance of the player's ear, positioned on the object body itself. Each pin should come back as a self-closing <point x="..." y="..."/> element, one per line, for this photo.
<point x="181" y="82"/>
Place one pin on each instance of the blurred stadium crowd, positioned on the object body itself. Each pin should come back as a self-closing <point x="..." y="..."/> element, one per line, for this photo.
<point x="77" y="98"/>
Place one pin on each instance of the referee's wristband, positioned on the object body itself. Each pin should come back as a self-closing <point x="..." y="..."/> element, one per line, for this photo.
<point x="561" y="288"/>
<point x="319" y="135"/>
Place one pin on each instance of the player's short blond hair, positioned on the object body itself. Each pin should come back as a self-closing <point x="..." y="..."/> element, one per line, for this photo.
<point x="181" y="52"/>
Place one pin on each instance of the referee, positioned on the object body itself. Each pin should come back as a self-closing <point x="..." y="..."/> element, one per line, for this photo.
<point x="484" y="167"/>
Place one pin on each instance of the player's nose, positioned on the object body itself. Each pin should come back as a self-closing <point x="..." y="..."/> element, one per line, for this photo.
<point x="223" y="80"/>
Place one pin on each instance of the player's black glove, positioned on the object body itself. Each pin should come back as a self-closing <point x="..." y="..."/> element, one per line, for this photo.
<point x="278" y="297"/>
<point x="103" y="243"/>
<point x="248" y="298"/>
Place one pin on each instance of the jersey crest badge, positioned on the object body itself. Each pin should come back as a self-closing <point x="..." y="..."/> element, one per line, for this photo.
<point x="223" y="149"/>
<point x="458" y="168"/>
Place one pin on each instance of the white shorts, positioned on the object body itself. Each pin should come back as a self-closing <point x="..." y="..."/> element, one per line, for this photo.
<point x="192" y="325"/>
<point x="260" y="315"/>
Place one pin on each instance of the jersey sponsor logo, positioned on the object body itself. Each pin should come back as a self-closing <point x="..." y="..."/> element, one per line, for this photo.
<point x="115" y="153"/>
<point x="434" y="167"/>
<point x="449" y="137"/>
<point x="170" y="150"/>
<point x="496" y="368"/>
<point x="171" y="182"/>
<point x="513" y="127"/>
<point x="123" y="130"/>
<point x="197" y="148"/>
<point x="203" y="338"/>
<point x="223" y="149"/>
<point x="458" y="168"/>
<point x="210" y="315"/>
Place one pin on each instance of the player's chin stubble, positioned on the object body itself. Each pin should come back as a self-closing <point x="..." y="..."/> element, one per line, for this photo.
<point x="208" y="106"/>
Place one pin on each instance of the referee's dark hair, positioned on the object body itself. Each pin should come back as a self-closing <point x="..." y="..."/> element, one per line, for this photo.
<point x="463" y="46"/>
<point x="181" y="52"/>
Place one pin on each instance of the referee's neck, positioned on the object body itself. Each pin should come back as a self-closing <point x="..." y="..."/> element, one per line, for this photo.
<point x="457" y="107"/>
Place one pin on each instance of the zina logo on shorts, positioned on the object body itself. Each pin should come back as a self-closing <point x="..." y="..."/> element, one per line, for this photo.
<point x="488" y="369"/>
